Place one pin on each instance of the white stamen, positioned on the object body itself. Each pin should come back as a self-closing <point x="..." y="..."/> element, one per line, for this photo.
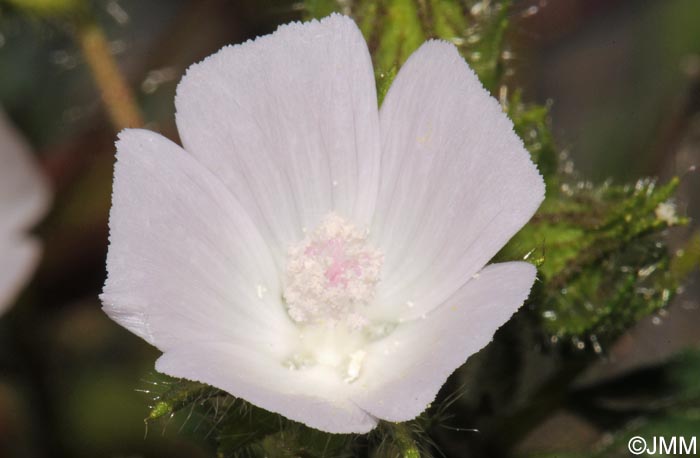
<point x="260" y="291"/>
<point x="331" y="275"/>
<point x="334" y="346"/>
<point x="354" y="366"/>
<point x="330" y="280"/>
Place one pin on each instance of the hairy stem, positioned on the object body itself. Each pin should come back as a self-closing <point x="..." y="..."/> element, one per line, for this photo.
<point x="404" y="440"/>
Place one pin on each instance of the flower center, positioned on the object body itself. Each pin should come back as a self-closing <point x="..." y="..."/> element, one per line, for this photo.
<point x="329" y="282"/>
<point x="332" y="275"/>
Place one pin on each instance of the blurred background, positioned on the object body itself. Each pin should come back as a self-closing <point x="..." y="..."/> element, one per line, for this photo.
<point x="622" y="78"/>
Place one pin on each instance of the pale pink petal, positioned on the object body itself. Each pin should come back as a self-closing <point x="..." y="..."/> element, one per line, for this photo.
<point x="19" y="256"/>
<point x="289" y="122"/>
<point x="189" y="273"/>
<point x="403" y="373"/>
<point x="24" y="198"/>
<point x="24" y="195"/>
<point x="313" y="396"/>
<point x="185" y="263"/>
<point x="456" y="181"/>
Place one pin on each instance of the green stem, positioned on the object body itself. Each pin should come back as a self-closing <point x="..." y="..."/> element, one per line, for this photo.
<point x="408" y="448"/>
<point x="115" y="92"/>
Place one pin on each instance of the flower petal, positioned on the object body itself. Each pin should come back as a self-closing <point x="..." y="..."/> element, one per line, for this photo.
<point x="185" y="263"/>
<point x="314" y="398"/>
<point x="20" y="255"/>
<point x="404" y="372"/>
<point x="456" y="181"/>
<point x="24" y="195"/>
<point x="289" y="122"/>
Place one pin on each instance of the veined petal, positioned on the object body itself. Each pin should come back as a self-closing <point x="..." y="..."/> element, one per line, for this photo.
<point x="289" y="122"/>
<point x="312" y="396"/>
<point x="403" y="373"/>
<point x="19" y="255"/>
<point x="185" y="263"/>
<point x="456" y="181"/>
<point x="24" y="195"/>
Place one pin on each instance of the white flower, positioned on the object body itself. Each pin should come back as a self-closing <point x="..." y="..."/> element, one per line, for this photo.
<point x="24" y="198"/>
<point x="312" y="254"/>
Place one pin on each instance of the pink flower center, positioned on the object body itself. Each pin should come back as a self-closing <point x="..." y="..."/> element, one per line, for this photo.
<point x="332" y="274"/>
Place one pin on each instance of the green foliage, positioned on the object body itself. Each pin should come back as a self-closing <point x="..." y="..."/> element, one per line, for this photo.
<point x="48" y="8"/>
<point x="396" y="28"/>
<point x="321" y="8"/>
<point x="601" y="249"/>
<point x="398" y="440"/>
<point x="170" y="395"/>
<point x="602" y="258"/>
<point x="531" y="123"/>
<point x="383" y="83"/>
<point x="482" y="43"/>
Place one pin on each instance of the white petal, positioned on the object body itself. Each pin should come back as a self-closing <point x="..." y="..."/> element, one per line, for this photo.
<point x="290" y="124"/>
<point x="19" y="255"/>
<point x="456" y="181"/>
<point x="317" y="399"/>
<point x="404" y="372"/>
<point x="185" y="263"/>
<point x="24" y="195"/>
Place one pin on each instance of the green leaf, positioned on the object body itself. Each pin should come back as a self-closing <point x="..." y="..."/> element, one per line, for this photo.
<point x="383" y="83"/>
<point x="531" y="123"/>
<point x="482" y="42"/>
<point x="602" y="257"/>
<point x="396" y="28"/>
<point x="169" y="395"/>
<point x="317" y="9"/>
<point x="400" y="440"/>
<point x="394" y="31"/>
